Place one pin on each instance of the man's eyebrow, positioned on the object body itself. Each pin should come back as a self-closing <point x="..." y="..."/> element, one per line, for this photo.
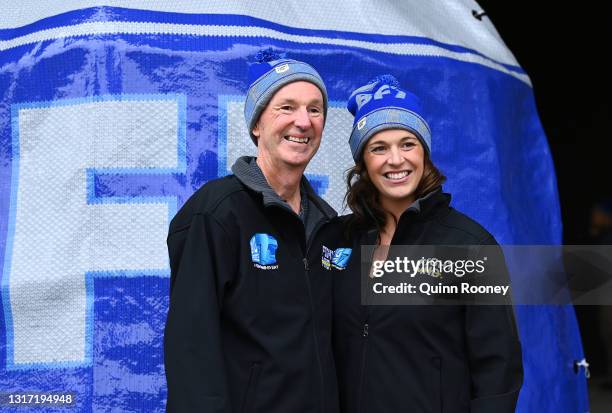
<point x="315" y="101"/>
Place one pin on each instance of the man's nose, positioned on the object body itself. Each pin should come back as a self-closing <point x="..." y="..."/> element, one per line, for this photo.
<point x="302" y="119"/>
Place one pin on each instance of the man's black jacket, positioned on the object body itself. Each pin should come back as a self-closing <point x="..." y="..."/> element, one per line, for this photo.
<point x="249" y="326"/>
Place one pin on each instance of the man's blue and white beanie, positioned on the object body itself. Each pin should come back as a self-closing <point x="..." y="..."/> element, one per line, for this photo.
<point x="267" y="75"/>
<point x="381" y="105"/>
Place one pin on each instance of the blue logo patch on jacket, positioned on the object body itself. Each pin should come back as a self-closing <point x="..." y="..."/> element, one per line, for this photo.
<point x="337" y="259"/>
<point x="263" y="250"/>
<point x="341" y="258"/>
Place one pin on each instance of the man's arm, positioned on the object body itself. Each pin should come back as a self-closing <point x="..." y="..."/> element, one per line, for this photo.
<point x="193" y="352"/>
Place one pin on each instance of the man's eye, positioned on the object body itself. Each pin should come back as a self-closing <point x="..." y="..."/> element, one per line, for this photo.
<point x="314" y="110"/>
<point x="286" y="108"/>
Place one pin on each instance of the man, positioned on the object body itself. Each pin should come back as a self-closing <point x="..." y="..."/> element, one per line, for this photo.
<point x="249" y="328"/>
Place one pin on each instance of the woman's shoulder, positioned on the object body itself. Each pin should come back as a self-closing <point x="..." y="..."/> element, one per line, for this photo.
<point x="466" y="229"/>
<point x="342" y="223"/>
<point x="344" y="219"/>
<point x="335" y="227"/>
<point x="342" y="229"/>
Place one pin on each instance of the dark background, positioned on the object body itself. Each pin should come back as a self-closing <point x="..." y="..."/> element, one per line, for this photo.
<point x="564" y="48"/>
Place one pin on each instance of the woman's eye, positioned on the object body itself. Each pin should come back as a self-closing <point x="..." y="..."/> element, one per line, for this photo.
<point x="315" y="111"/>
<point x="408" y="145"/>
<point x="285" y="108"/>
<point x="378" y="149"/>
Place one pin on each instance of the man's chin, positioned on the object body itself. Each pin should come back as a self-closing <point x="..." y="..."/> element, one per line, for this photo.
<point x="300" y="161"/>
<point x="297" y="158"/>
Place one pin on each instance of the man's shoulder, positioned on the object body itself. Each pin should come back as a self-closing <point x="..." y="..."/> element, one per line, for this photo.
<point x="208" y="199"/>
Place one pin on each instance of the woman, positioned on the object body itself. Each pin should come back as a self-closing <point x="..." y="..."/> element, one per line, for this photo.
<point x="444" y="358"/>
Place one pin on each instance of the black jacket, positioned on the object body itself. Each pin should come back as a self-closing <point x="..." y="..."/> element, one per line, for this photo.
<point x="248" y="328"/>
<point x="451" y="359"/>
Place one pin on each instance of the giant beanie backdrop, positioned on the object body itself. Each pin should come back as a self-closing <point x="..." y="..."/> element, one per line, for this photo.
<point x="112" y="117"/>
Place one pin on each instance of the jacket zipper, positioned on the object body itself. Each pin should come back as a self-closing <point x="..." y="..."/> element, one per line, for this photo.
<point x="365" y="333"/>
<point x="312" y="312"/>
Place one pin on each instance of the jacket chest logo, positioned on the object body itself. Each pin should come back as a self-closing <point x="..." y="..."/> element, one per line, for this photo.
<point x="263" y="251"/>
<point x="338" y="258"/>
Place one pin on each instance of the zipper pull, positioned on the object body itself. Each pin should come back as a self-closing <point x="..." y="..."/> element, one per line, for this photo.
<point x="366" y="332"/>
<point x="305" y="261"/>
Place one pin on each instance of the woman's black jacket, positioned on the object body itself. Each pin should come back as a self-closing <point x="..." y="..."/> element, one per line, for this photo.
<point x="426" y="358"/>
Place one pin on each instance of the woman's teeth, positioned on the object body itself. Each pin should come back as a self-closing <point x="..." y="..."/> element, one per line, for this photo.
<point x="396" y="175"/>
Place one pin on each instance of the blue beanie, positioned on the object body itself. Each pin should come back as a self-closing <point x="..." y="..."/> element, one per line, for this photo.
<point x="381" y="105"/>
<point x="267" y="75"/>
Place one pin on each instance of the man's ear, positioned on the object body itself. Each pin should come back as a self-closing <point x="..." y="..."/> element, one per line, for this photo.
<point x="255" y="130"/>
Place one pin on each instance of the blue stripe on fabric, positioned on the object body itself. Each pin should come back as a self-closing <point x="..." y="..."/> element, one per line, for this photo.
<point x="6" y="303"/>
<point x="190" y="42"/>
<point x="117" y="14"/>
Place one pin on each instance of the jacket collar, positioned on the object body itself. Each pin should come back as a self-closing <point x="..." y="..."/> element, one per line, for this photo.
<point x="248" y="172"/>
<point x="420" y="209"/>
<point x="428" y="204"/>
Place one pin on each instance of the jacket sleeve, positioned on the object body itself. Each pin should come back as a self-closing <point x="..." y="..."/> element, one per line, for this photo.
<point x="202" y="264"/>
<point x="494" y="350"/>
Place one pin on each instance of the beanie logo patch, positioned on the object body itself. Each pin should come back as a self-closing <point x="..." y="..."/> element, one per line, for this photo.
<point x="361" y="123"/>
<point x="282" y="68"/>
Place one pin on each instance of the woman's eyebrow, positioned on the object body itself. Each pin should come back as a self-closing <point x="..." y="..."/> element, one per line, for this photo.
<point x="376" y="142"/>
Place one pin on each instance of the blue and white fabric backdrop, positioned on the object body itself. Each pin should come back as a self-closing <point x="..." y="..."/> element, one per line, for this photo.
<point x="111" y="117"/>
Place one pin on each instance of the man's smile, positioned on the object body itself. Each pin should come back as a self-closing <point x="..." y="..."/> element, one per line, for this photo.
<point x="295" y="139"/>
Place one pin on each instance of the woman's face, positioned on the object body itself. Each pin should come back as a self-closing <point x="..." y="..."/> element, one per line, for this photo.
<point x="394" y="160"/>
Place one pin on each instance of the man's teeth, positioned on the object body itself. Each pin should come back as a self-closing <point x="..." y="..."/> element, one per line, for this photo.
<point x="396" y="175"/>
<point x="298" y="140"/>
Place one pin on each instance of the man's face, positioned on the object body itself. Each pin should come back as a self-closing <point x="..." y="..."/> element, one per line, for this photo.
<point x="289" y="129"/>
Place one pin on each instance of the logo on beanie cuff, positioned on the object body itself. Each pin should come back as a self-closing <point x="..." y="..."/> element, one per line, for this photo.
<point x="282" y="68"/>
<point x="263" y="251"/>
<point x="361" y="123"/>
<point x="337" y="259"/>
